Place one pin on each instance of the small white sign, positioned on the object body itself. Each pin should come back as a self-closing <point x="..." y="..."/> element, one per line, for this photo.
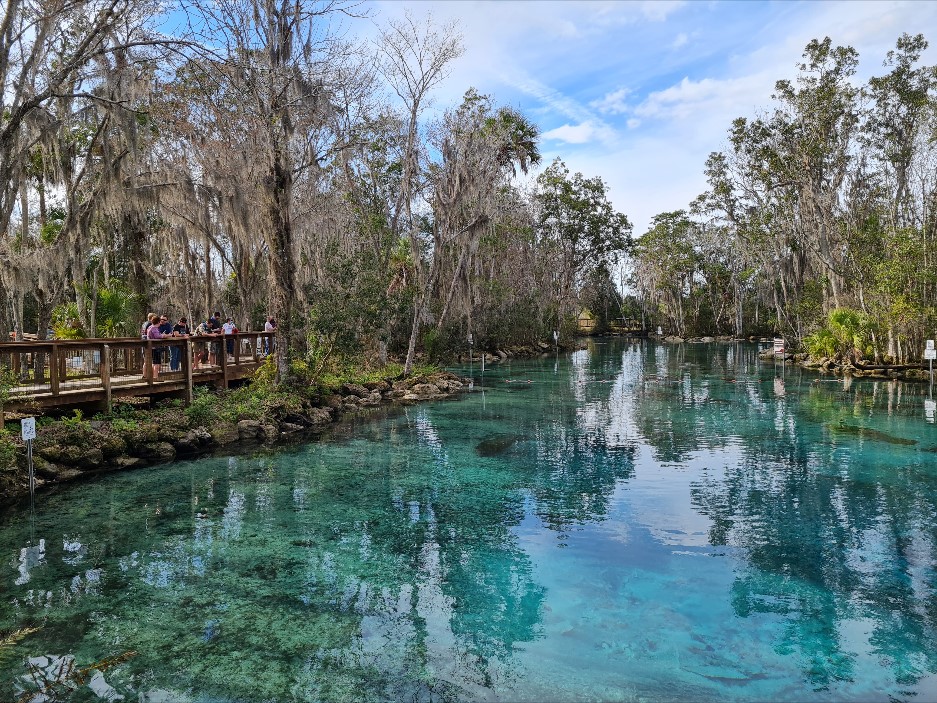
<point x="929" y="344"/>
<point x="778" y="345"/>
<point x="28" y="428"/>
<point x="930" y="409"/>
<point x="930" y="354"/>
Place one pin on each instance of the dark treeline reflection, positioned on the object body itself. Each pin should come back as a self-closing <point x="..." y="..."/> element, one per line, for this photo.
<point x="388" y="562"/>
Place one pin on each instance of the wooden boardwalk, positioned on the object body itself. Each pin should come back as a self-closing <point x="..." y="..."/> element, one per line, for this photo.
<point x="74" y="372"/>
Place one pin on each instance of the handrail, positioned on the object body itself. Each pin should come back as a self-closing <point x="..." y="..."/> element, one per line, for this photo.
<point x="59" y="371"/>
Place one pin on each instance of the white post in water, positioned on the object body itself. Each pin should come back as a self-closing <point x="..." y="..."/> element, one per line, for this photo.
<point x="556" y="341"/>
<point x="28" y="432"/>
<point x="930" y="353"/>
<point x="471" y="341"/>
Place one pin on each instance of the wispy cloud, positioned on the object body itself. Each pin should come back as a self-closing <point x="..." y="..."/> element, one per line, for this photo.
<point x="680" y="40"/>
<point x="689" y="98"/>
<point x="613" y="103"/>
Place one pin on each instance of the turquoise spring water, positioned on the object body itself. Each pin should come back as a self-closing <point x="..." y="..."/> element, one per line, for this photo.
<point x="639" y="522"/>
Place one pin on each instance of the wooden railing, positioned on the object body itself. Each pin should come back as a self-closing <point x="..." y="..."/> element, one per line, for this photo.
<point x="65" y="372"/>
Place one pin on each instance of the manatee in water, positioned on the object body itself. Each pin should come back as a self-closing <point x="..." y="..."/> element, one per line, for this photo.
<point x="495" y="445"/>
<point x="868" y="433"/>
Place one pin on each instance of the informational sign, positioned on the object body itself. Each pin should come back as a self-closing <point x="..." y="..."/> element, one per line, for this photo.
<point x="778" y="345"/>
<point x="660" y="332"/>
<point x="28" y="428"/>
<point x="930" y="354"/>
<point x="929" y="344"/>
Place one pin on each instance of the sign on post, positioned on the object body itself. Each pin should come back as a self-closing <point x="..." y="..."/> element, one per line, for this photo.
<point x="28" y="433"/>
<point x="778" y="345"/>
<point x="930" y="354"/>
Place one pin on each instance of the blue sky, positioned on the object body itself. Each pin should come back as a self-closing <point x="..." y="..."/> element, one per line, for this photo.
<point x="640" y="93"/>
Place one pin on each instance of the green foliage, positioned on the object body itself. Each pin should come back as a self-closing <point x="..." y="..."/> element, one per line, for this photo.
<point x="847" y="332"/>
<point x="117" y="311"/>
<point x="55" y="221"/>
<point x="125" y="426"/>
<point x="65" y="322"/>
<point x="7" y="451"/>
<point x="203" y="410"/>
<point x="822" y="343"/>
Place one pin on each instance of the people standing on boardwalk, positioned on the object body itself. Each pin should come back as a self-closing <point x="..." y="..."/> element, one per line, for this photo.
<point x="229" y="328"/>
<point x="214" y="329"/>
<point x="269" y="326"/>
<point x="153" y="333"/>
<point x="180" y="329"/>
<point x="150" y="319"/>
<point x="201" y="348"/>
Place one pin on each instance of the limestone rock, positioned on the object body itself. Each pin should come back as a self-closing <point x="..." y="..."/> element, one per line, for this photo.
<point x="425" y="390"/>
<point x="224" y="434"/>
<point x="355" y="389"/>
<point x="320" y="416"/>
<point x="334" y="401"/>
<point x="157" y="452"/>
<point x="372" y="400"/>
<point x="290" y="428"/>
<point x="250" y="429"/>
<point x="270" y="433"/>
<point x="193" y="441"/>
<point x="379" y="386"/>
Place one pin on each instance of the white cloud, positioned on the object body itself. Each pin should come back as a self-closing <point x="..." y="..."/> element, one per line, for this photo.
<point x="681" y="40"/>
<point x="633" y="123"/>
<point x="689" y="98"/>
<point x="660" y="10"/>
<point x="584" y="133"/>
<point x="613" y="103"/>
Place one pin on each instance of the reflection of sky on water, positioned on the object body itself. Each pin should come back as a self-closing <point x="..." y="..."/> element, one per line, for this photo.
<point x="640" y="520"/>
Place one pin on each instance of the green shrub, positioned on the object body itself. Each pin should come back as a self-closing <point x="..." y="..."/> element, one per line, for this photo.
<point x="821" y="343"/>
<point x="122" y="426"/>
<point x="202" y="411"/>
<point x="7" y="452"/>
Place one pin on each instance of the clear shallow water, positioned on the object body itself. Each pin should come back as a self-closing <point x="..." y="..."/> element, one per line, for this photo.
<point x="640" y="522"/>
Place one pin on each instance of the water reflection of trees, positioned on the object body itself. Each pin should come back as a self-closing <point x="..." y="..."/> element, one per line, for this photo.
<point x="836" y="540"/>
<point x="360" y="576"/>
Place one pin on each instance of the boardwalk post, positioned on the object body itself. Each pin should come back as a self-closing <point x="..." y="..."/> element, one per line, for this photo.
<point x="54" y="369"/>
<point x="189" y="391"/>
<point x="224" y="363"/>
<point x="148" y="362"/>
<point x="106" y="375"/>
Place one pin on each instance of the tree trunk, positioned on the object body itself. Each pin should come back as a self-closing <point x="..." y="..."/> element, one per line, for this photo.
<point x="282" y="275"/>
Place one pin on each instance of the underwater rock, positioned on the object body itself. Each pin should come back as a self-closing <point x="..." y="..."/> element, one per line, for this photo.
<point x="495" y="446"/>
<point x="868" y="433"/>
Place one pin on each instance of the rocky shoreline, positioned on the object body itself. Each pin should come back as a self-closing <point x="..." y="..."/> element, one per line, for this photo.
<point x="837" y="366"/>
<point x="518" y="351"/>
<point x="845" y="367"/>
<point x="73" y="449"/>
